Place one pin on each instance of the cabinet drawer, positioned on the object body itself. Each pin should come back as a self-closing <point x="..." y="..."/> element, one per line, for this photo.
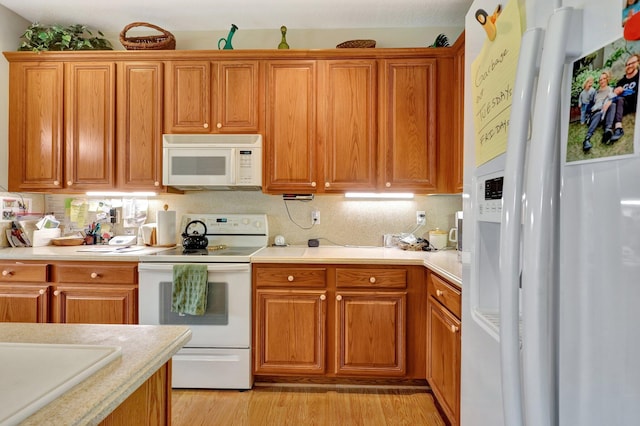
<point x="445" y="293"/>
<point x="277" y="277"/>
<point x="371" y="277"/>
<point x="21" y="272"/>
<point x="97" y="273"/>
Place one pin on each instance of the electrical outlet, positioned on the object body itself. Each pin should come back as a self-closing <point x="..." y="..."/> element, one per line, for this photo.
<point x="315" y="217"/>
<point x="421" y="217"/>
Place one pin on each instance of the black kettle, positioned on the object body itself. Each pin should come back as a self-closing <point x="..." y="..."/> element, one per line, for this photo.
<point x="195" y="240"/>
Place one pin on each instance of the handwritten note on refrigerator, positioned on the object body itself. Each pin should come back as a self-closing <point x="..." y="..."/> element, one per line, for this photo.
<point x="493" y="73"/>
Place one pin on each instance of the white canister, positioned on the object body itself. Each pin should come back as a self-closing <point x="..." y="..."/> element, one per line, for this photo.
<point x="438" y="238"/>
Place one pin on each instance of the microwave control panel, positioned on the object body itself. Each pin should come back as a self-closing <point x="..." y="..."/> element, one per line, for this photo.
<point x="490" y="197"/>
<point x="246" y="158"/>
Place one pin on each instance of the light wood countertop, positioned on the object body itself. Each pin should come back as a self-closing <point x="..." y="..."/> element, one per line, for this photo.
<point x="145" y="349"/>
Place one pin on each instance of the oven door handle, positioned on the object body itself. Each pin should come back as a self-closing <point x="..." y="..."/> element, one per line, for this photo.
<point x="211" y="267"/>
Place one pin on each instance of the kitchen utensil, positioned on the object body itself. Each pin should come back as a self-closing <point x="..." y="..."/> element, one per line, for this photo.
<point x="438" y="238"/>
<point x="193" y="239"/>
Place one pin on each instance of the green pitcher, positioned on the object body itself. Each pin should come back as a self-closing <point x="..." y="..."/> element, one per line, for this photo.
<point x="227" y="41"/>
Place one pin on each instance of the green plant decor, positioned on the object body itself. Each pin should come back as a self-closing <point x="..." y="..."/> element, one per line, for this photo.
<point x="39" y="37"/>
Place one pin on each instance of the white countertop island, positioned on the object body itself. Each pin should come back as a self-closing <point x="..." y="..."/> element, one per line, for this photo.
<point x="144" y="351"/>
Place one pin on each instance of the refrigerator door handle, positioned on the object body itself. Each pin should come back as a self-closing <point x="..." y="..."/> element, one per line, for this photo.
<point x="510" y="232"/>
<point x="540" y="251"/>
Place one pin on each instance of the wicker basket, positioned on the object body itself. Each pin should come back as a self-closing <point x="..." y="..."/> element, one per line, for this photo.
<point x="164" y="41"/>
<point x="357" y="44"/>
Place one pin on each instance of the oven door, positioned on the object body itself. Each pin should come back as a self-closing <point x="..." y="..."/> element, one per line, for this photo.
<point x="227" y="321"/>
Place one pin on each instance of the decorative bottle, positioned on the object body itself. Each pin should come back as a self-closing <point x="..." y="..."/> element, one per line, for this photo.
<point x="283" y="43"/>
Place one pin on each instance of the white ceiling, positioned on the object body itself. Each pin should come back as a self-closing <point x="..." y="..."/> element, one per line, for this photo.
<point x="202" y="15"/>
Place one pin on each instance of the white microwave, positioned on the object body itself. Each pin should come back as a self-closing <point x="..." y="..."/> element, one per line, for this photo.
<point x="196" y="162"/>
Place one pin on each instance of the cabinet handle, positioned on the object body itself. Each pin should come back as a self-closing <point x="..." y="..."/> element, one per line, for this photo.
<point x="372" y="280"/>
<point x="69" y="183"/>
<point x="323" y="297"/>
<point x="453" y="328"/>
<point x="290" y="278"/>
<point x="156" y="183"/>
<point x="6" y="273"/>
<point x="388" y="184"/>
<point x="56" y="182"/>
<point x="327" y="184"/>
<point x="94" y="275"/>
<point x="56" y="293"/>
<point x="41" y="291"/>
<point x="205" y="125"/>
<point x="219" y="125"/>
<point x="313" y="184"/>
<point x="439" y="293"/>
<point x="338" y="298"/>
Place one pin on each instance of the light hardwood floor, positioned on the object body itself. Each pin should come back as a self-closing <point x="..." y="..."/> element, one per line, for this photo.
<point x="304" y="406"/>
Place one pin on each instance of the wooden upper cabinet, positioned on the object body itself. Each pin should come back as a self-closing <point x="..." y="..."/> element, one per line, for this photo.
<point x="89" y="123"/>
<point x="35" y="126"/>
<point x="408" y="128"/>
<point x="211" y="97"/>
<point x="458" y="117"/>
<point x="188" y="97"/>
<point x="347" y="122"/>
<point x="290" y="134"/>
<point x="139" y="125"/>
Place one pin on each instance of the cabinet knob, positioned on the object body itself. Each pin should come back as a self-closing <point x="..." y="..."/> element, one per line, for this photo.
<point x="41" y="291"/>
<point x="56" y="182"/>
<point x="313" y="184"/>
<point x="69" y="183"/>
<point x="388" y="184"/>
<point x="94" y="275"/>
<point x="219" y="125"/>
<point x="372" y="280"/>
<point x="290" y="278"/>
<point x="56" y="293"/>
<point x="205" y="125"/>
<point x="453" y="328"/>
<point x="439" y="293"/>
<point x="156" y="183"/>
<point x="338" y="298"/>
<point x="6" y="273"/>
<point x="323" y="297"/>
<point x="327" y="184"/>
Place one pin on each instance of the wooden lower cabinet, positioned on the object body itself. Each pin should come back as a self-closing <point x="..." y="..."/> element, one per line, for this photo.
<point x="291" y="327"/>
<point x="443" y="344"/>
<point x="24" y="292"/>
<point x="150" y="404"/>
<point x="95" y="293"/>
<point x="69" y="292"/>
<point x="333" y="321"/>
<point x="370" y="333"/>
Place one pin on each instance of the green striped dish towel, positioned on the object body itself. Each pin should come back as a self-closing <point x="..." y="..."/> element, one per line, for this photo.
<point x="189" y="290"/>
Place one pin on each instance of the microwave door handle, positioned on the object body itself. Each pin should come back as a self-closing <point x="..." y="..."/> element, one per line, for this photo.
<point x="232" y="166"/>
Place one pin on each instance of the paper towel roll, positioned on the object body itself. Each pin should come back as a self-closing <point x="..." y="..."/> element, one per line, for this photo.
<point x="166" y="228"/>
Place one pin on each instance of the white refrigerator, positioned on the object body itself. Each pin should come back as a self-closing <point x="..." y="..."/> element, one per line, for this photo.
<point x="551" y="260"/>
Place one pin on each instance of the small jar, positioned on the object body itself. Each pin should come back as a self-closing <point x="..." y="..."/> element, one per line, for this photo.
<point x="438" y="238"/>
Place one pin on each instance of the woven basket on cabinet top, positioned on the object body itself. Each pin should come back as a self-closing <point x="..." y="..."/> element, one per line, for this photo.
<point x="357" y="44"/>
<point x="164" y="41"/>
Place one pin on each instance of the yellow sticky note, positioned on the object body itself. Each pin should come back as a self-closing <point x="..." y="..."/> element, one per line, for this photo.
<point x="493" y="74"/>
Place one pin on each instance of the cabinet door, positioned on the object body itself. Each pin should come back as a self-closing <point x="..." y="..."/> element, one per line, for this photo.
<point x="444" y="354"/>
<point x="347" y="99"/>
<point x="140" y="92"/>
<point x="237" y="96"/>
<point x="24" y="302"/>
<point x="290" y="138"/>
<point x="458" y="118"/>
<point x="35" y="126"/>
<point x="370" y="335"/>
<point x="408" y="130"/>
<point x="89" y="125"/>
<point x="187" y="97"/>
<point x="290" y="331"/>
<point x="97" y="304"/>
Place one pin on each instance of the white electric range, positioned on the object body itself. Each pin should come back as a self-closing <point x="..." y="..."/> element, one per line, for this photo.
<point x="219" y="353"/>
